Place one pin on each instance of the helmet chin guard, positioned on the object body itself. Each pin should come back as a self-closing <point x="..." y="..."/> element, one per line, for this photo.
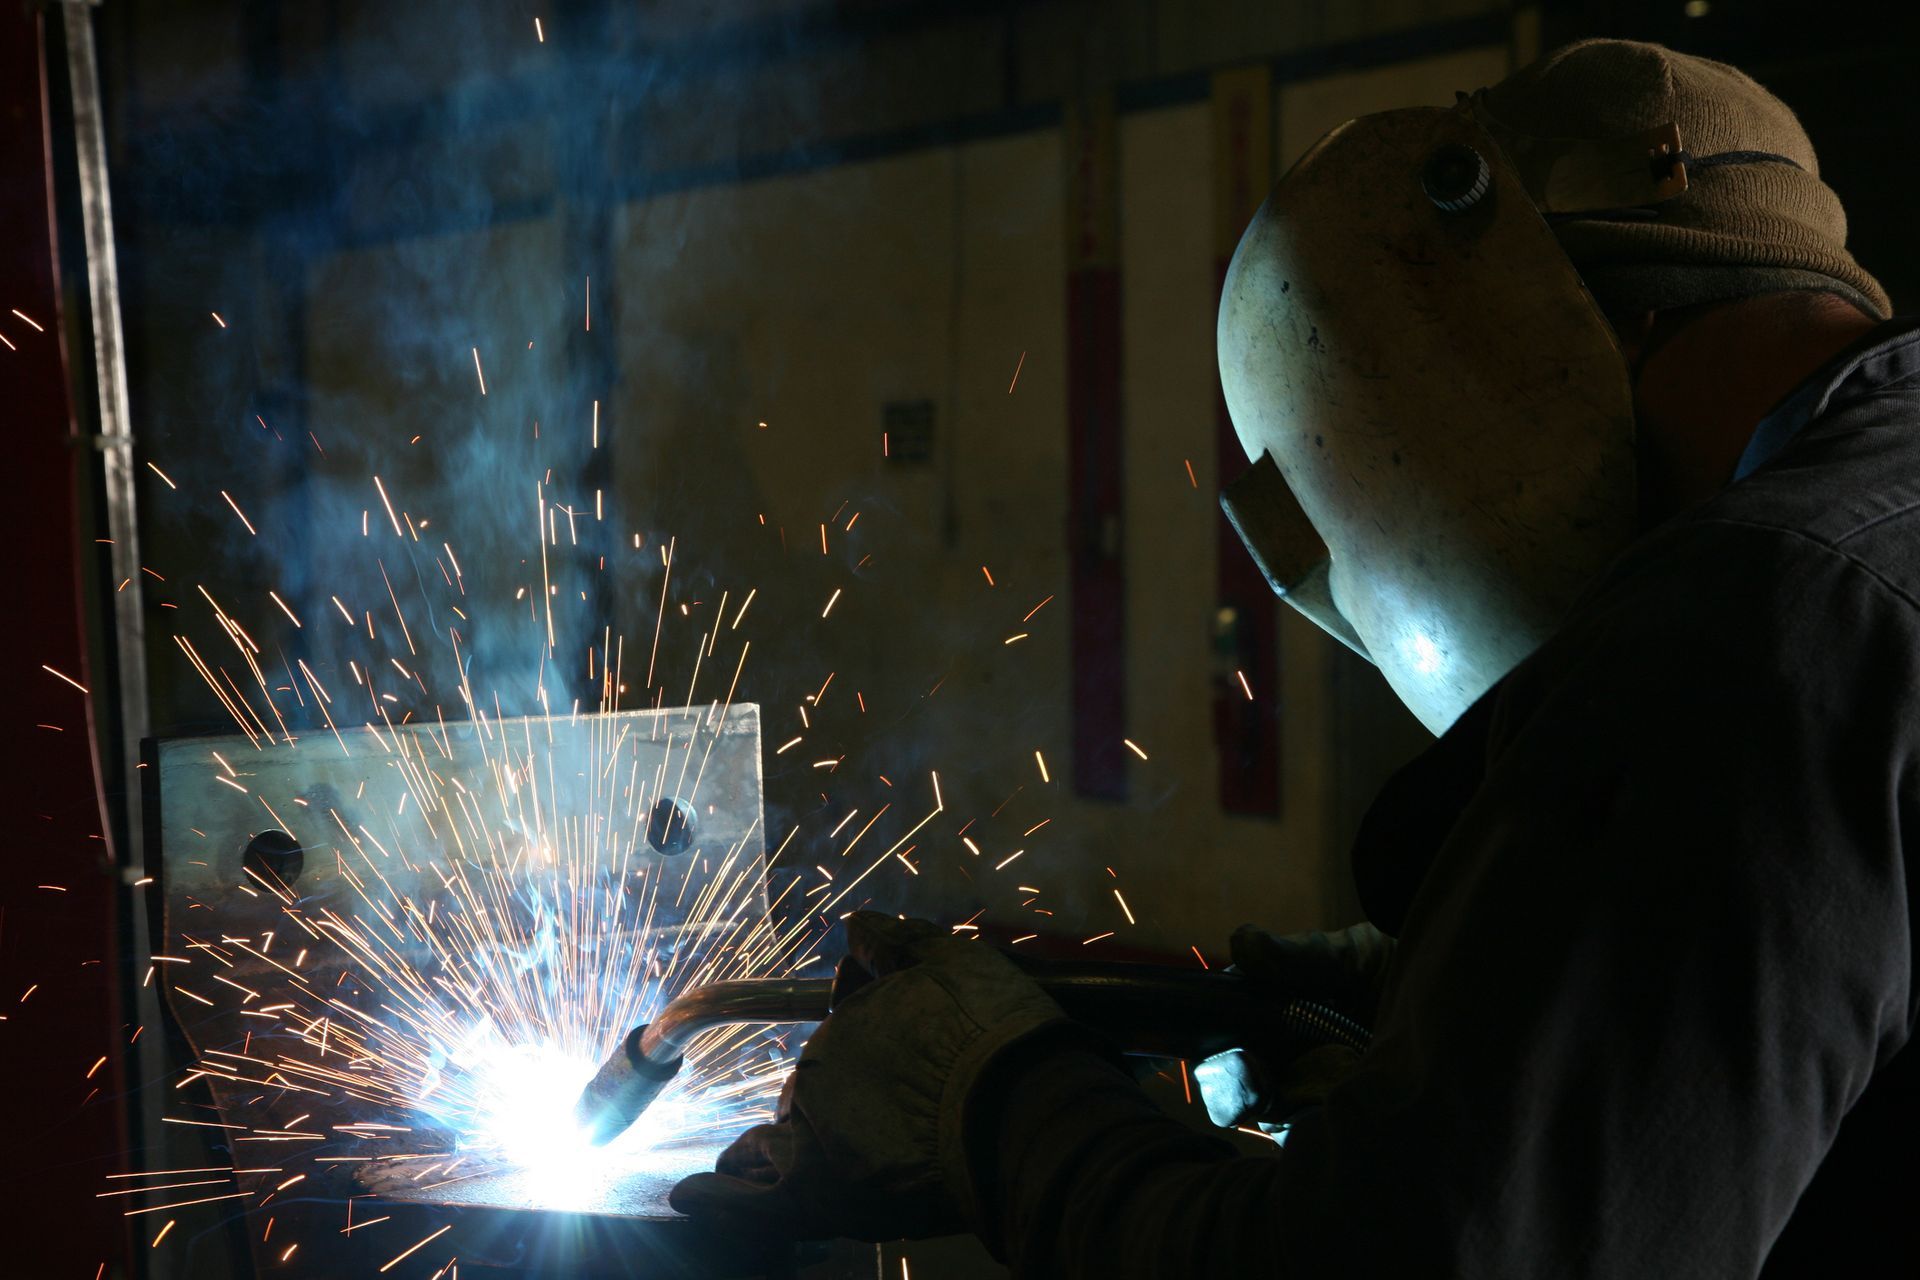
<point x="1440" y="419"/>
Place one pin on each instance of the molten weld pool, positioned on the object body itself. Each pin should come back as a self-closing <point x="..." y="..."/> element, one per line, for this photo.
<point x="520" y="1146"/>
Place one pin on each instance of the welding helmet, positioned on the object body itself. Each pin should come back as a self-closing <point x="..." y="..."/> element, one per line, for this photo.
<point x="1439" y="418"/>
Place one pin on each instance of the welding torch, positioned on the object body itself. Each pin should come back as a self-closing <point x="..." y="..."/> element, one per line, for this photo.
<point x="1146" y="1010"/>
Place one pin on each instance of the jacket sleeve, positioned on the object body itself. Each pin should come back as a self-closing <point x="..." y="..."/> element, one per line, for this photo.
<point x="1654" y="964"/>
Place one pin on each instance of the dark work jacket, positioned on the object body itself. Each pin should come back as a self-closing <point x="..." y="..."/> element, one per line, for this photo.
<point x="1655" y="914"/>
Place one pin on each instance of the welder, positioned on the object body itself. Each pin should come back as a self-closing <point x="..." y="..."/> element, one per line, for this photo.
<point x="1569" y="408"/>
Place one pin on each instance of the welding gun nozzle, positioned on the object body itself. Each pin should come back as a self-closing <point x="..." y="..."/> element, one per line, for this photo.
<point x="626" y="1084"/>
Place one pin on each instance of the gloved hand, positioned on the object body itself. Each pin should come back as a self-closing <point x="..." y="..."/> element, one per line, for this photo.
<point x="1345" y="970"/>
<point x="870" y="1136"/>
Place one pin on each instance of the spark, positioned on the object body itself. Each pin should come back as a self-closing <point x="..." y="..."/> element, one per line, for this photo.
<point x="29" y="319"/>
<point x="163" y="1231"/>
<point x="479" y="372"/>
<point x="1134" y="747"/>
<point x="283" y="607"/>
<point x="830" y="602"/>
<point x="1037" y="608"/>
<point x="1244" y="686"/>
<point x="69" y="679"/>
<point x="540" y="33"/>
<point x="1016" y="373"/>
<point x="416" y="1248"/>
<point x="385" y="502"/>
<point x="217" y="320"/>
<point x="1042" y="762"/>
<point x="989" y="574"/>
<point x="163" y="475"/>
<point x="1016" y="636"/>
<point x="237" y="511"/>
<point x="167" y="1186"/>
<point x="182" y="1204"/>
<point x="1124" y="907"/>
<point x="1096" y="938"/>
<point x="168" y="1173"/>
<point x="1191" y="479"/>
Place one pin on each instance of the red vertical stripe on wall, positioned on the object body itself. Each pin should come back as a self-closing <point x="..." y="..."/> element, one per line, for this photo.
<point x="1095" y="453"/>
<point x="1246" y="618"/>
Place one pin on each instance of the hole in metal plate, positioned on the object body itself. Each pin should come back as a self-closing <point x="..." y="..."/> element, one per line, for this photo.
<point x="670" y="827"/>
<point x="275" y="857"/>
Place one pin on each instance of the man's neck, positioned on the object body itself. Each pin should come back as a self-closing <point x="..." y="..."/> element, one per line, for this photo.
<point x="1700" y="393"/>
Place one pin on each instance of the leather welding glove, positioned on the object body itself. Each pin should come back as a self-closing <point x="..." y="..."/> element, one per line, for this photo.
<point x="1344" y="970"/>
<point x="870" y="1136"/>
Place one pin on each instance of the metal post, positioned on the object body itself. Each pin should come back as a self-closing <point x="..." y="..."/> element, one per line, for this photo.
<point x="112" y="435"/>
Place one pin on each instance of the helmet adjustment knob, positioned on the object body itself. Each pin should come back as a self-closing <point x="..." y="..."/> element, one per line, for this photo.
<point x="1455" y="177"/>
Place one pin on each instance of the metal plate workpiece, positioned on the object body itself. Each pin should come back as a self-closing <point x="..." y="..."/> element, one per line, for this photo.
<point x="457" y="792"/>
<point x="348" y="915"/>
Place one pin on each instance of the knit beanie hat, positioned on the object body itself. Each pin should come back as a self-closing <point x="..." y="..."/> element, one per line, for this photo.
<point x="1755" y="217"/>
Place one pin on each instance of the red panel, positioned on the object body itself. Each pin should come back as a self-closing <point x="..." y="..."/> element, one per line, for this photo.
<point x="1094" y="522"/>
<point x="1095" y="452"/>
<point x="1247" y="635"/>
<point x="60" y="1128"/>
